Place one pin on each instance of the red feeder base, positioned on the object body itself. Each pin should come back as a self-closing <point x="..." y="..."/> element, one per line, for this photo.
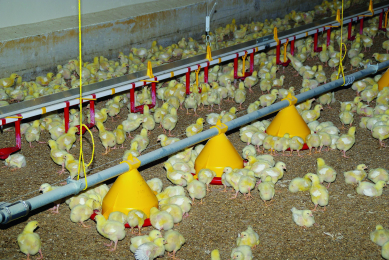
<point x="246" y="74"/>
<point x="146" y="224"/>
<point x="5" y="152"/>
<point x="83" y="128"/>
<point x="215" y="181"/>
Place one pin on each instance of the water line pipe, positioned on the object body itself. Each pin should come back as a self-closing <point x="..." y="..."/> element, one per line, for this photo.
<point x="9" y="212"/>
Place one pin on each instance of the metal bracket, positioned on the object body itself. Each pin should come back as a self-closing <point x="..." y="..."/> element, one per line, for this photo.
<point x="373" y="66"/>
<point x="4" y="206"/>
<point x="77" y="183"/>
<point x="349" y="80"/>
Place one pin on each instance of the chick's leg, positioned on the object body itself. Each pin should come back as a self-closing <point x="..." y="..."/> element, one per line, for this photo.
<point x="225" y="189"/>
<point x="114" y="248"/>
<point x="344" y="154"/>
<point x="83" y="225"/>
<point x="40" y="252"/>
<point x="110" y="244"/>
<point x="236" y="195"/>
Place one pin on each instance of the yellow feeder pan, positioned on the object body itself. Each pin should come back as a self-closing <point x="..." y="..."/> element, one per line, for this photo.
<point x="217" y="154"/>
<point x="130" y="191"/>
<point x="288" y="120"/>
<point x="383" y="81"/>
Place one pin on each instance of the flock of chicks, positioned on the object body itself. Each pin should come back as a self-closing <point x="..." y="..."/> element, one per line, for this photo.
<point x="173" y="204"/>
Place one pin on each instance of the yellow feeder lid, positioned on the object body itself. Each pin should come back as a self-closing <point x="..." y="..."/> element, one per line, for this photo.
<point x="288" y="120"/>
<point x="130" y="191"/>
<point x="218" y="153"/>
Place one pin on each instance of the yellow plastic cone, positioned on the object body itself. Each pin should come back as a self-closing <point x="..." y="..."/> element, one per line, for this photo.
<point x="288" y="120"/>
<point x="218" y="153"/>
<point x="383" y="81"/>
<point x="130" y="191"/>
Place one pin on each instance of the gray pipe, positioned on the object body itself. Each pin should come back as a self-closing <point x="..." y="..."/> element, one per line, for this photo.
<point x="9" y="212"/>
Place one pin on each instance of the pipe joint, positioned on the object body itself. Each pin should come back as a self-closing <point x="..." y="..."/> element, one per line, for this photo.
<point x="291" y="99"/>
<point x="222" y="128"/>
<point x="76" y="184"/>
<point x="133" y="162"/>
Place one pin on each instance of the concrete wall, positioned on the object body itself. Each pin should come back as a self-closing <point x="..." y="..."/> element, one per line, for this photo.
<point x="38" y="47"/>
<point x="33" y="11"/>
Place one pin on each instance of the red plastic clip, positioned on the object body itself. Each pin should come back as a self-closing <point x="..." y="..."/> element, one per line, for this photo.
<point x="349" y="37"/>
<point x="278" y="53"/>
<point x="91" y="114"/>
<point x="328" y="36"/>
<point x="66" y="116"/>
<point x="315" y="41"/>
<point x="292" y="46"/>
<point x="5" y="152"/>
<point x="206" y="72"/>
<point x="135" y="109"/>
<point x="188" y="81"/>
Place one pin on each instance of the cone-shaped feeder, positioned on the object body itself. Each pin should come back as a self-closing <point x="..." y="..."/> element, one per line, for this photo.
<point x="383" y="81"/>
<point x="130" y="191"/>
<point x="217" y="154"/>
<point x="288" y="120"/>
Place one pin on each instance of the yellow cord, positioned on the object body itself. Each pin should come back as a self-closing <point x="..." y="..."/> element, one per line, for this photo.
<point x="81" y="157"/>
<point x="341" y="57"/>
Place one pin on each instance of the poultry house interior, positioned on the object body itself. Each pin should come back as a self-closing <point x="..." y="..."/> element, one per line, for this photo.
<point x="316" y="194"/>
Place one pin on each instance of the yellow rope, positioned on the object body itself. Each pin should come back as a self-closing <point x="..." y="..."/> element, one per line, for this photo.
<point x="81" y="157"/>
<point x="341" y="57"/>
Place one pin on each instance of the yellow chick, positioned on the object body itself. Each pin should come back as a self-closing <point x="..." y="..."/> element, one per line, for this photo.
<point x="300" y="184"/>
<point x="215" y="255"/>
<point x="346" y="141"/>
<point x="319" y="193"/>
<point x="250" y="81"/>
<point x="266" y="190"/>
<point x="30" y="242"/>
<point x="326" y="173"/>
<point x="303" y="218"/>
<point x="107" y="138"/>
<point x="268" y="99"/>
<point x="118" y="216"/>
<point x="240" y="95"/>
<point x="136" y="218"/>
<point x="276" y="173"/>
<point x="72" y="166"/>
<point x="246" y="184"/>
<point x="370" y="189"/>
<point x="196" y="189"/>
<point x="120" y="136"/>
<point x="110" y="229"/>
<point x="296" y="143"/>
<point x="130" y="125"/>
<point x="312" y="115"/>
<point x="15" y="161"/>
<point x="355" y="176"/>
<point x="346" y="116"/>
<point x="114" y="107"/>
<point x="81" y="213"/>
<point x="378" y="174"/>
<point x="155" y="185"/>
<point x="67" y="140"/>
<point x="148" y="120"/>
<point x="151" y="250"/>
<point x="174" y="241"/>
<point x="190" y="103"/>
<point x="140" y="240"/>
<point x="380" y="235"/>
<point x="33" y="132"/>
<point x="9" y="82"/>
<point x="174" y="210"/>
<point x="248" y="238"/>
<point x="142" y="140"/>
<point x="165" y="141"/>
<point x="161" y="219"/>
<point x="206" y="176"/>
<point x="57" y="155"/>
<point x="195" y="128"/>
<point x="170" y="120"/>
<point x="242" y="253"/>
